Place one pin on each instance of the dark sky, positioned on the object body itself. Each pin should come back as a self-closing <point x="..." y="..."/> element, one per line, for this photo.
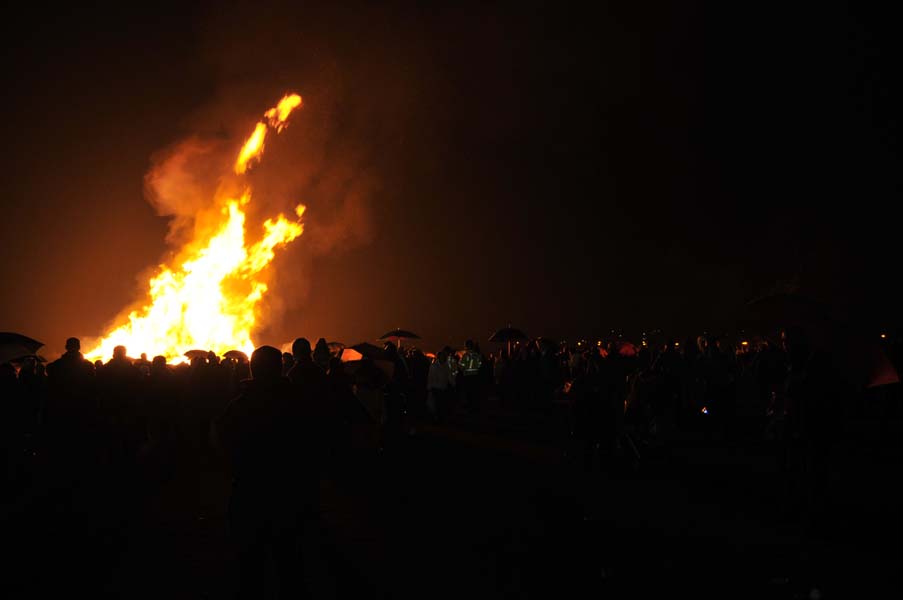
<point x="564" y="171"/>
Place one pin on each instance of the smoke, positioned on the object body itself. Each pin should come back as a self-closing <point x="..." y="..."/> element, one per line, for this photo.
<point x="182" y="181"/>
<point x="331" y="157"/>
<point x="310" y="163"/>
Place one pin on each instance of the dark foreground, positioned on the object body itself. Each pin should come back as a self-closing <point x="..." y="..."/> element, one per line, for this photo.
<point x="484" y="507"/>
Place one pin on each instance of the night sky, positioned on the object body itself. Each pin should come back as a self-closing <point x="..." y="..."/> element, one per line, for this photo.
<point x="564" y="171"/>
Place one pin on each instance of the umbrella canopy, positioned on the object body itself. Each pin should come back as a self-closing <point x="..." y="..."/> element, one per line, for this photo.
<point x="237" y="355"/>
<point x="15" y="345"/>
<point x="367" y="351"/>
<point x="508" y="334"/>
<point x="628" y="349"/>
<point x="401" y="334"/>
<point x="858" y="358"/>
<point x="196" y="353"/>
<point x="360" y="360"/>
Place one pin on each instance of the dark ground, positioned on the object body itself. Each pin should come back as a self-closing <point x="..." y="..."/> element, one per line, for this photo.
<point x="486" y="507"/>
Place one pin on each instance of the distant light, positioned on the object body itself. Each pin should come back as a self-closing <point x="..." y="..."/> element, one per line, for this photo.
<point x="744" y="343"/>
<point x="644" y="342"/>
<point x="705" y="411"/>
<point x="599" y="343"/>
<point x="676" y="344"/>
<point x="883" y="336"/>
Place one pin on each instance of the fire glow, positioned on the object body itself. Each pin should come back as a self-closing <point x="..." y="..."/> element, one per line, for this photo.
<point x="208" y="297"/>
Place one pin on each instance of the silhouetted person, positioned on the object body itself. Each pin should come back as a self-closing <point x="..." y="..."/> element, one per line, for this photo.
<point x="469" y="383"/>
<point x="721" y="393"/>
<point x="440" y="385"/>
<point x="419" y="367"/>
<point x="669" y="367"/>
<point x="348" y="410"/>
<point x="288" y="361"/>
<point x="305" y="374"/>
<point x="394" y="396"/>
<point x="586" y="412"/>
<point x="10" y="433"/>
<point x="321" y="354"/>
<point x="71" y="413"/>
<point x="812" y="406"/>
<point x="118" y="389"/>
<point x="312" y="392"/>
<point x="33" y="386"/>
<point x="503" y="378"/>
<point x="161" y="405"/>
<point x="266" y="435"/>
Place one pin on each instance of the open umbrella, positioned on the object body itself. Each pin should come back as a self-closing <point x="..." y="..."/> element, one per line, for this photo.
<point x="858" y="358"/>
<point x="196" y="353"/>
<point x="366" y="350"/>
<point x="399" y="334"/>
<point x="627" y="348"/>
<point x="361" y="355"/>
<point x="16" y="345"/>
<point x="237" y="355"/>
<point x="508" y="334"/>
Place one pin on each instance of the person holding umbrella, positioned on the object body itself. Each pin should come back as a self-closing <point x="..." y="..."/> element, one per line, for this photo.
<point x="397" y="335"/>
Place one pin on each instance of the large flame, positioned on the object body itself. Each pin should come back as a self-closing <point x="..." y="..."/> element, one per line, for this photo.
<point x="209" y="301"/>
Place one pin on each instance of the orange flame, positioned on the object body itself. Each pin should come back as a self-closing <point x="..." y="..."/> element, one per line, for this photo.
<point x="209" y="300"/>
<point x="276" y="118"/>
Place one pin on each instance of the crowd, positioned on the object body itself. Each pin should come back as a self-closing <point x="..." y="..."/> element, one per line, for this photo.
<point x="277" y="414"/>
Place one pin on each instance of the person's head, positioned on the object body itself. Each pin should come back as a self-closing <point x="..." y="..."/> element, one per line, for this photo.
<point x="266" y="364"/>
<point x="98" y="364"/>
<point x="287" y="359"/>
<point x="301" y="349"/>
<point x="442" y="356"/>
<point x="26" y="367"/>
<point x="159" y="363"/>
<point x="119" y="352"/>
<point x="73" y="344"/>
<point x="322" y="345"/>
<point x="391" y="350"/>
<point x="335" y="366"/>
<point x="144" y="356"/>
<point x="469" y="344"/>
